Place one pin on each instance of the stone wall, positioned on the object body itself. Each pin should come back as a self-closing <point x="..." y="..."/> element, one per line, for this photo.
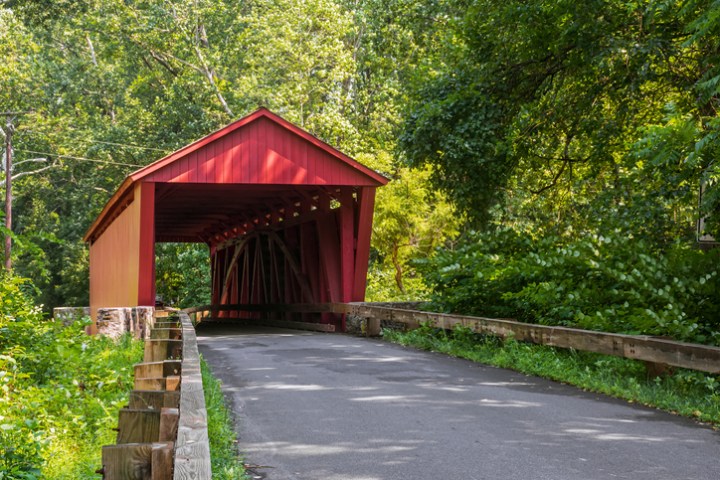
<point x="357" y="325"/>
<point x="113" y="322"/>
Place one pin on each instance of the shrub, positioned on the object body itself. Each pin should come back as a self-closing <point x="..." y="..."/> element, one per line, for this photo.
<point x="60" y="390"/>
<point x="609" y="283"/>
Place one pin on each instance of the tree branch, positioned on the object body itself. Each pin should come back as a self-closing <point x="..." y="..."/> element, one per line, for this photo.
<point x="33" y="160"/>
<point x="554" y="180"/>
<point x="33" y="172"/>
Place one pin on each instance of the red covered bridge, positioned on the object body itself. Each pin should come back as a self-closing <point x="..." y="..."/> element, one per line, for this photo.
<point x="287" y="218"/>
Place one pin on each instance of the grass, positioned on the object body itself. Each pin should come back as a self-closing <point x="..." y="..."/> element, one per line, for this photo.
<point x="81" y="408"/>
<point x="224" y="457"/>
<point x="682" y="392"/>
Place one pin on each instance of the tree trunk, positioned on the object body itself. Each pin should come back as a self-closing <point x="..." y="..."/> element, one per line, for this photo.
<point x="398" y="268"/>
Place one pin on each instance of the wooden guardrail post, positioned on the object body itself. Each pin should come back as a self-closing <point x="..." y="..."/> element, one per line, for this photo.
<point x="137" y="461"/>
<point x="154" y="399"/>
<point x="157" y="350"/>
<point x="148" y="426"/>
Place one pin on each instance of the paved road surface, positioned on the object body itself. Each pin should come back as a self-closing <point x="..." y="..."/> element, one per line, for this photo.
<point x="334" y="407"/>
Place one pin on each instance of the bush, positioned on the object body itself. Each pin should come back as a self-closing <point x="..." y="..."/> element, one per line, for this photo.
<point x="60" y="390"/>
<point x="608" y="283"/>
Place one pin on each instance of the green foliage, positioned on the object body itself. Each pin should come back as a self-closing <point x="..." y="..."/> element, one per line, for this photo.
<point x="60" y="390"/>
<point x="225" y="460"/>
<point x="688" y="393"/>
<point x="542" y="112"/>
<point x="114" y="85"/>
<point x="182" y="273"/>
<point x="563" y="118"/>
<point x="597" y="282"/>
<point x="410" y="221"/>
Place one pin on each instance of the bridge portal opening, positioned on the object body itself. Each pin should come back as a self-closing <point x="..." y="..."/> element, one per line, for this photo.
<point x="285" y="219"/>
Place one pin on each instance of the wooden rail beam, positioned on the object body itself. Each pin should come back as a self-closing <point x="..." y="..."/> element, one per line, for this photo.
<point x="639" y="347"/>
<point x="650" y="349"/>
<point x="275" y="307"/>
<point x="192" y="448"/>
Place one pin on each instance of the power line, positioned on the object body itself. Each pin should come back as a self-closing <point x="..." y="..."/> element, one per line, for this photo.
<point x="124" y="145"/>
<point x="84" y="159"/>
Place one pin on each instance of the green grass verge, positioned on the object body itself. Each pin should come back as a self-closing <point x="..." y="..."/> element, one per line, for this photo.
<point x="224" y="457"/>
<point x="682" y="392"/>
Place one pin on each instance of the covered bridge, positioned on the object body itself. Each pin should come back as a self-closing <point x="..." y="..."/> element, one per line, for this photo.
<point x="287" y="219"/>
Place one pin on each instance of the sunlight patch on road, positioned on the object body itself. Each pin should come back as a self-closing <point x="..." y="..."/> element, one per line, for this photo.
<point x="504" y="384"/>
<point x="383" y="398"/>
<point x="310" y="450"/>
<point x="487" y="402"/>
<point x="376" y="359"/>
<point x="288" y="386"/>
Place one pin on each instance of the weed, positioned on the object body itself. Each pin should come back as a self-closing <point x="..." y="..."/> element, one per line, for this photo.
<point x="224" y="457"/>
<point x="688" y="393"/>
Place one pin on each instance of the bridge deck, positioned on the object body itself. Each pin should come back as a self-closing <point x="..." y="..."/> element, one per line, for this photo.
<point x="336" y="407"/>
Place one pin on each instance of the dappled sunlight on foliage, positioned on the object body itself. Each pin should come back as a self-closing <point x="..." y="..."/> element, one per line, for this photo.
<point x="597" y="282"/>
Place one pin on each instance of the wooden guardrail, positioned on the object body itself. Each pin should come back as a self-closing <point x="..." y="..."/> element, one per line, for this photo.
<point x="639" y="347"/>
<point x="210" y="313"/>
<point x="162" y="433"/>
<point x="192" y="449"/>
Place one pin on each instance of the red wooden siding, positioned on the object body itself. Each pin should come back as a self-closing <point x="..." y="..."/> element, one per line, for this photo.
<point x="262" y="154"/>
<point x="259" y="193"/>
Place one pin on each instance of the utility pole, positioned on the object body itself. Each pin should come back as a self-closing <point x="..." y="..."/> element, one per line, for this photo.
<point x="9" y="130"/>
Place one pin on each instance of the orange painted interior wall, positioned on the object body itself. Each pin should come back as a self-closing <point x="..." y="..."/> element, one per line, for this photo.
<point x="113" y="276"/>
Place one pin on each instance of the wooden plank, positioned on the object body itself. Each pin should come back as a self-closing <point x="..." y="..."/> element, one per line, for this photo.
<point x="138" y="426"/>
<point x="130" y="461"/>
<point x="172" y="383"/>
<point x="162" y="461"/>
<point x="159" y="350"/>
<point x="151" y="383"/>
<point x="366" y="204"/>
<point x="679" y="354"/>
<point x="192" y="449"/>
<point x="169" y="424"/>
<point x="146" y="260"/>
<point x="157" y="369"/>
<point x="147" y="399"/>
<point x="165" y="333"/>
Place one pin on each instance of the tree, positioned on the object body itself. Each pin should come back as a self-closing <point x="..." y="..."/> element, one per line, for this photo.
<point x="115" y="85"/>
<point x="411" y="220"/>
<point x="548" y="102"/>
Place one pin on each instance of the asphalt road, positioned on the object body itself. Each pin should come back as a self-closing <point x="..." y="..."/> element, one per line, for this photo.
<point x="336" y="407"/>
